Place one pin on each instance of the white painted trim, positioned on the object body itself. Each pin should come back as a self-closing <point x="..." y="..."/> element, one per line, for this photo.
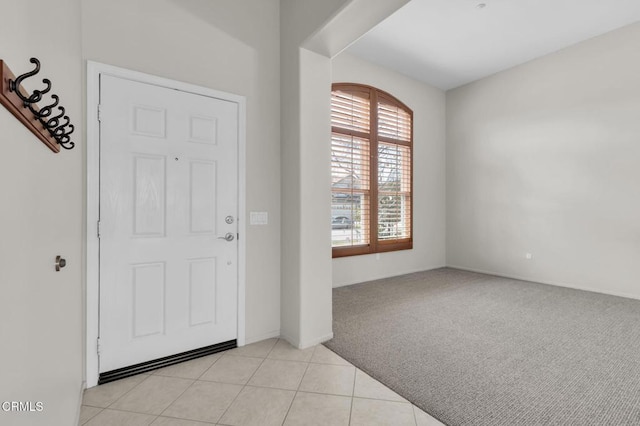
<point x="83" y="386"/>
<point x="292" y="342"/>
<point x="390" y="275"/>
<point x="348" y="23"/>
<point x="264" y="336"/>
<point x="546" y="282"/>
<point x="514" y="277"/>
<point x="307" y="344"/>
<point x="242" y="220"/>
<point x="316" y="341"/>
<point x="93" y="246"/>
<point x="94" y="70"/>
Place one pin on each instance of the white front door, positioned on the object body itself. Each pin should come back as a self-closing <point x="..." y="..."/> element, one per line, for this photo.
<point x="168" y="197"/>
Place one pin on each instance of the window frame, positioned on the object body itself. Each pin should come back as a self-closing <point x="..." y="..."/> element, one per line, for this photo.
<point x="375" y="245"/>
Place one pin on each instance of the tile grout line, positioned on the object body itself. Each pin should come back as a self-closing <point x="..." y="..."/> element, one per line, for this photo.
<point x="193" y="381"/>
<point x="92" y="406"/>
<point x="259" y="386"/>
<point x="353" y="393"/>
<point x="299" y="384"/>
<point x="134" y="412"/>
<point x="246" y="384"/>
<point x="303" y="391"/>
<point x="236" y="397"/>
<point x="178" y="397"/>
<point x="127" y="392"/>
<point x="149" y="375"/>
<point x="344" y="364"/>
<point x="186" y="420"/>
<point x="127" y="411"/>
<point x="262" y="386"/>
<point x="186" y="389"/>
<point x="404" y="401"/>
<point x="209" y="368"/>
<point x="415" y="418"/>
<point x="243" y="385"/>
<point x="158" y="371"/>
<point x="87" y="420"/>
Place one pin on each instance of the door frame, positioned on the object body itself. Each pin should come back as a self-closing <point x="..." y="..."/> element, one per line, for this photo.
<point x="92" y="307"/>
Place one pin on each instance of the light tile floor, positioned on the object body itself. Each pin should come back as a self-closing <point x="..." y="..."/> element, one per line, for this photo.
<point x="262" y="384"/>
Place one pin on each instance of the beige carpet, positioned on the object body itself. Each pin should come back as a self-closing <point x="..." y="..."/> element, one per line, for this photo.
<point x="474" y="349"/>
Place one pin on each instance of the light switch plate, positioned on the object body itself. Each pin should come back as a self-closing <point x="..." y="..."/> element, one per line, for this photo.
<point x="258" y="218"/>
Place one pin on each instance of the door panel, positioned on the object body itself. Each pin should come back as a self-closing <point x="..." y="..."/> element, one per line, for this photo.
<point x="149" y="179"/>
<point x="202" y="296"/>
<point x="202" y="199"/>
<point x="168" y="171"/>
<point x="148" y="288"/>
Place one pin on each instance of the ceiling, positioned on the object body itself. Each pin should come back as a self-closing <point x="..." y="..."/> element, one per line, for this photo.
<point x="448" y="43"/>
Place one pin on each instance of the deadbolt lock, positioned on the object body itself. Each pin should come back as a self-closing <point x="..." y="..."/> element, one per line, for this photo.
<point x="60" y="263"/>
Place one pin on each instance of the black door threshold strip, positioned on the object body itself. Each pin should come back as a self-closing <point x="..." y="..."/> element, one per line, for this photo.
<point x="143" y="367"/>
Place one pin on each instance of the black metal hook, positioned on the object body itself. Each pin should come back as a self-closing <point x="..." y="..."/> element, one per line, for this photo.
<point x="65" y="139"/>
<point x="62" y="136"/>
<point x="59" y="132"/>
<point x="55" y="121"/>
<point x="72" y="128"/>
<point x="47" y="110"/>
<point x="65" y="143"/>
<point x="36" y="96"/>
<point x="14" y="85"/>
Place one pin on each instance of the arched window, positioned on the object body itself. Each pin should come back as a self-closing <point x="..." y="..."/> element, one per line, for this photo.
<point x="371" y="171"/>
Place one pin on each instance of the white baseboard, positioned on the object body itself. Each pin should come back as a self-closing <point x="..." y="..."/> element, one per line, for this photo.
<point x="390" y="275"/>
<point x="260" y="337"/>
<point x="547" y="282"/>
<point x="307" y="343"/>
<point x="317" y="341"/>
<point x="83" y="386"/>
<point x="292" y="342"/>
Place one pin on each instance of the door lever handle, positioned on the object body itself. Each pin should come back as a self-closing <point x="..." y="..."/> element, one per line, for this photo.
<point x="228" y="237"/>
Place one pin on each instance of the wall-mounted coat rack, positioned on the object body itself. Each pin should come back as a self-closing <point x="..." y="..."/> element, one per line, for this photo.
<point x="54" y="129"/>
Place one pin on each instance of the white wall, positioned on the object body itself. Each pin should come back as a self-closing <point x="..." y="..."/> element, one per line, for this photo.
<point x="306" y="268"/>
<point x="428" y="105"/>
<point x="310" y="32"/>
<point x="41" y="351"/>
<point x="231" y="46"/>
<point x="544" y="159"/>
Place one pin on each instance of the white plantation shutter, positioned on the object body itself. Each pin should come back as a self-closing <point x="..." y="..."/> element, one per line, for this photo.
<point x="394" y="170"/>
<point x="371" y="171"/>
<point x="350" y="169"/>
<point x="351" y="111"/>
<point x="394" y="191"/>
<point x="393" y="122"/>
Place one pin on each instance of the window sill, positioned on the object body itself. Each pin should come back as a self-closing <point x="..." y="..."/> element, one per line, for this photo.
<point x="383" y="247"/>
